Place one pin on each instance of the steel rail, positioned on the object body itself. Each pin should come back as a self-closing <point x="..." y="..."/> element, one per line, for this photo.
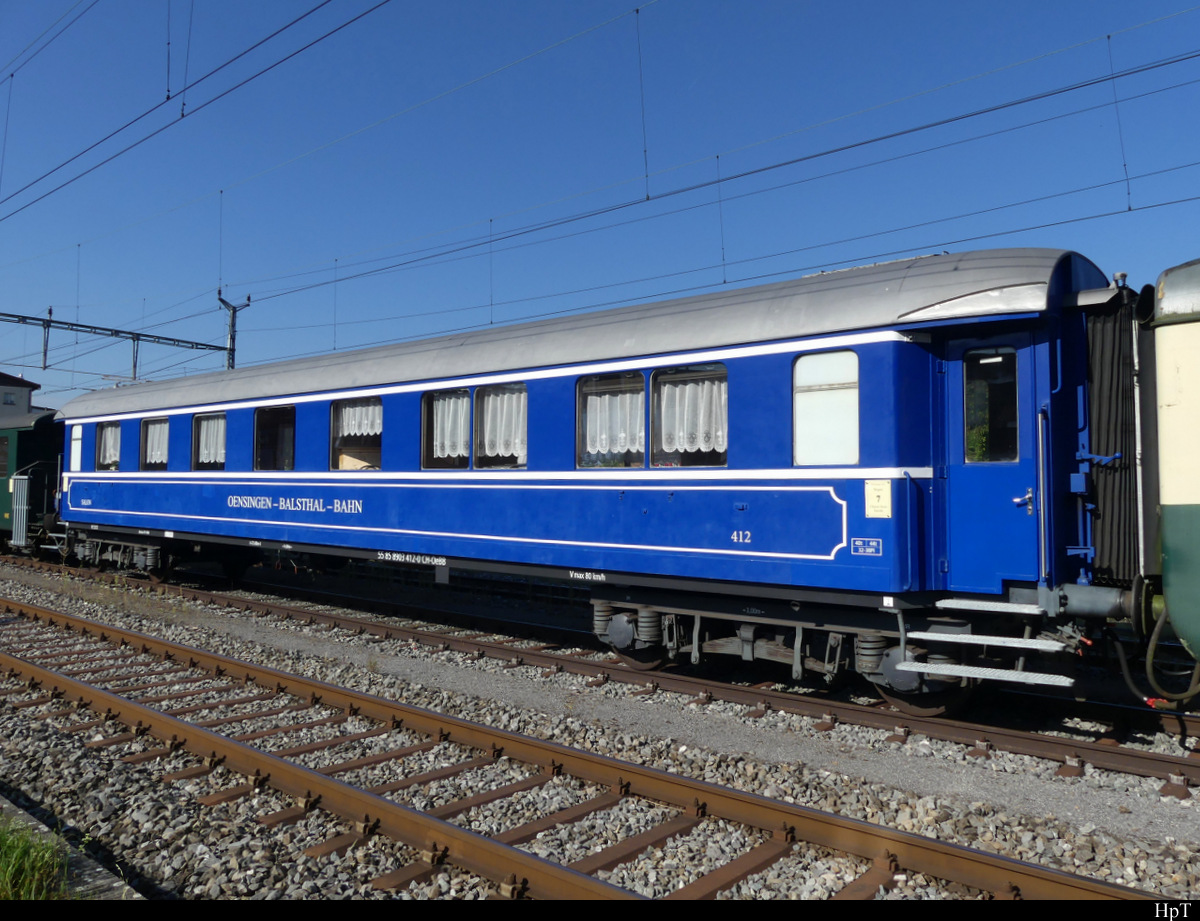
<point x="937" y="859"/>
<point x="475" y="853"/>
<point x="1020" y="742"/>
<point x="1108" y="757"/>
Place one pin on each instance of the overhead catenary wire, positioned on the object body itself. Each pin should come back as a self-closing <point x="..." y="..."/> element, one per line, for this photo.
<point x="4" y="140"/>
<point x="676" y="292"/>
<point x="168" y="99"/>
<point x="771" y="167"/>
<point x="12" y="67"/>
<point x="680" y="166"/>
<point x="791" y="270"/>
<point x="441" y="95"/>
<point x="437" y="253"/>
<point x="442" y="255"/>
<point x="150" y="111"/>
<point x="187" y="59"/>
<point x="573" y="37"/>
<point x="324" y="266"/>
<point x="931" y="246"/>
<point x="203" y="105"/>
<point x="1120" y="130"/>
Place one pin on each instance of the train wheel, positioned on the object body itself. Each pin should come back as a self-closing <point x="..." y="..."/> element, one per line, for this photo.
<point x="928" y="703"/>
<point x="642" y="660"/>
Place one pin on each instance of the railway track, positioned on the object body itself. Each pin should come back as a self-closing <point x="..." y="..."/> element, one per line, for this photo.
<point x="1179" y="772"/>
<point x="192" y="700"/>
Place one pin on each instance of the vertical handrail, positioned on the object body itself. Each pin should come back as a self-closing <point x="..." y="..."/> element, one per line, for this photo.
<point x="1042" y="437"/>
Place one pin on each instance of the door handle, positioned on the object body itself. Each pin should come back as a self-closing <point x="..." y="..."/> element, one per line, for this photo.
<point x="1025" y="500"/>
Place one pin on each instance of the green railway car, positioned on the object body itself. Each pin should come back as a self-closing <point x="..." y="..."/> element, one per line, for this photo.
<point x="30" y="445"/>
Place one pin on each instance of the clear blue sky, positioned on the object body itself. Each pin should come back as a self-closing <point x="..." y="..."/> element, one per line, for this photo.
<point x="491" y="161"/>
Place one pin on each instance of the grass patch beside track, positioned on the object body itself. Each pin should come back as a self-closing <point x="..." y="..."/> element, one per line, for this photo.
<point x="31" y="866"/>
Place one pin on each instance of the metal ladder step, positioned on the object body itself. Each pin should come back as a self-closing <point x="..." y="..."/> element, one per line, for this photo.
<point x="993" y="674"/>
<point x="980" y="639"/>
<point x="995" y="607"/>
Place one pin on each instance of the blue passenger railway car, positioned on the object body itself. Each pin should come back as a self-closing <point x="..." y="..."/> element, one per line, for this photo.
<point x="924" y="471"/>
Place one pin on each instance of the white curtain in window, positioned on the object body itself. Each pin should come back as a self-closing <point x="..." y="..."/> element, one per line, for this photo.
<point x="109" y="434"/>
<point x="502" y="423"/>
<point x="211" y="440"/>
<point x="358" y="417"/>
<point x="694" y="415"/>
<point x="451" y="424"/>
<point x="155" y="434"/>
<point x="615" y="423"/>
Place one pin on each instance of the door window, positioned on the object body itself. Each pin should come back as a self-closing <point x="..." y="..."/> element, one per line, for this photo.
<point x="990" y="406"/>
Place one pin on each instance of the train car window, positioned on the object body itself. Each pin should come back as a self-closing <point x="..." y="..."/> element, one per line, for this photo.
<point x="446" y="430"/>
<point x="3" y="455"/>
<point x="501" y="425"/>
<point x="611" y="421"/>
<point x="356" y="434"/>
<point x="76" y="460"/>
<point x="154" y="444"/>
<point x="689" y="416"/>
<point x="275" y="438"/>
<point x="208" y="442"/>
<point x="108" y="446"/>
<point x="990" y="406"/>
<point x="825" y="409"/>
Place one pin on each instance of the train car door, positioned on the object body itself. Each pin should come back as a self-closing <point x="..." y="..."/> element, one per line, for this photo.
<point x="992" y="457"/>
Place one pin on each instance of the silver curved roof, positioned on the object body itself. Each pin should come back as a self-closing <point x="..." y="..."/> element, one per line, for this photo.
<point x="1177" y="294"/>
<point x="12" y="418"/>
<point x="926" y="289"/>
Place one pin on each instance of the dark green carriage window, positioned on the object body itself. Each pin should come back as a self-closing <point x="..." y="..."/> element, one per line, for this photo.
<point x="275" y="438"/>
<point x="3" y="455"/>
<point x="990" y="406"/>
